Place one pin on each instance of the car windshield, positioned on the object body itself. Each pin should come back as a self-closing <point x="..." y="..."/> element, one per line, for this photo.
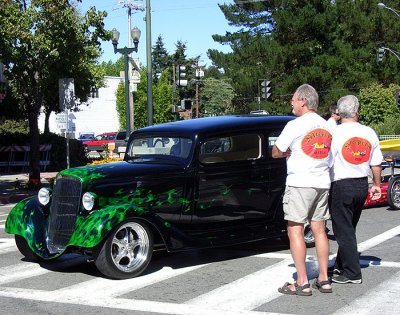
<point x="158" y="147"/>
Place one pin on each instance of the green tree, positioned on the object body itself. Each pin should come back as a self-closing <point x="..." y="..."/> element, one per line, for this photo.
<point x="378" y="105"/>
<point x="161" y="60"/>
<point x="120" y="105"/>
<point x="329" y="44"/>
<point x="113" y="68"/>
<point x="50" y="42"/>
<point x="162" y="97"/>
<point x="140" y="101"/>
<point x="216" y="97"/>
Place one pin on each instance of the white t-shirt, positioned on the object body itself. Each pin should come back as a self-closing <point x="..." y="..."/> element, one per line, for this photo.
<point x="309" y="140"/>
<point x="355" y="148"/>
<point x="332" y="123"/>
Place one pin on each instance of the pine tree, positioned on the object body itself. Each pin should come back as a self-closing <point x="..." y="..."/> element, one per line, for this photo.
<point x="161" y="60"/>
<point x="328" y="44"/>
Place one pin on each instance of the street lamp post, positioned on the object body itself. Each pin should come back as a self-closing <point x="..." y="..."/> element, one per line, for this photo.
<point x="135" y="33"/>
<point x="384" y="6"/>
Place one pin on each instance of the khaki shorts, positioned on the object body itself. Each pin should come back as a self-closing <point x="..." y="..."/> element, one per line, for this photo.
<point x="304" y="203"/>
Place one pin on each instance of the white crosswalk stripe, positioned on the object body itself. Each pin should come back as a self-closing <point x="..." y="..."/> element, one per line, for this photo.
<point x="240" y="296"/>
<point x="3" y="217"/>
<point x="381" y="300"/>
<point x="7" y="245"/>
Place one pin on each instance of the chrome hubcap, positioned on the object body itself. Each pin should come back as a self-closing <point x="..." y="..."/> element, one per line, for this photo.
<point x="130" y="247"/>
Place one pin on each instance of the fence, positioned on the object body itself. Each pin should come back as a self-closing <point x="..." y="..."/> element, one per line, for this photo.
<point x="388" y="137"/>
<point x="15" y="158"/>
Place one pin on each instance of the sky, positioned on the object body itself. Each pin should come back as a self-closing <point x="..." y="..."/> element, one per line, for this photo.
<point x="190" y="21"/>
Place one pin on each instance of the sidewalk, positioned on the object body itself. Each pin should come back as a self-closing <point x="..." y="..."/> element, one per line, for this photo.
<point x="12" y="186"/>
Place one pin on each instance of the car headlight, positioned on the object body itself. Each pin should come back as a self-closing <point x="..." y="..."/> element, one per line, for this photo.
<point x="88" y="200"/>
<point x="44" y="195"/>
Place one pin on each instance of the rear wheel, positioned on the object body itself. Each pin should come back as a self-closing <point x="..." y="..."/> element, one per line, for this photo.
<point x="308" y="236"/>
<point x="127" y="251"/>
<point x="25" y="250"/>
<point x="394" y="192"/>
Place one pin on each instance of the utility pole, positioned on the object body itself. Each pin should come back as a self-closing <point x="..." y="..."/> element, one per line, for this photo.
<point x="138" y="6"/>
<point x="199" y="75"/>
<point x="149" y="66"/>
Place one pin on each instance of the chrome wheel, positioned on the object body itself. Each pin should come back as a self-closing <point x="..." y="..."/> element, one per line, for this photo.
<point x="127" y="251"/>
<point x="130" y="247"/>
<point x="394" y="192"/>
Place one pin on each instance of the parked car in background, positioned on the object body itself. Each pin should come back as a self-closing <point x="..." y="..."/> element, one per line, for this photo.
<point x="98" y="143"/>
<point x="184" y="185"/>
<point x="120" y="141"/>
<point x="86" y="136"/>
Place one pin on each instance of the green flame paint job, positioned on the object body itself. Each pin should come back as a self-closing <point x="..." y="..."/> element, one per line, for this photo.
<point x="88" y="173"/>
<point x="29" y="220"/>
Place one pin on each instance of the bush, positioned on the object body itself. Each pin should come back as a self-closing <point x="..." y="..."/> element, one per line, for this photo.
<point x="390" y="126"/>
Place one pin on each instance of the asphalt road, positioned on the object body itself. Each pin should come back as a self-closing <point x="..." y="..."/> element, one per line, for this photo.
<point x="240" y="279"/>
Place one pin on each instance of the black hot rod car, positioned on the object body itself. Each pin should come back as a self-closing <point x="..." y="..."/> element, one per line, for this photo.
<point x="182" y="185"/>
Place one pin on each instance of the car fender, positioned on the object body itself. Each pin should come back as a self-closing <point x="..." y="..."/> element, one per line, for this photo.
<point x="28" y="219"/>
<point x="91" y="230"/>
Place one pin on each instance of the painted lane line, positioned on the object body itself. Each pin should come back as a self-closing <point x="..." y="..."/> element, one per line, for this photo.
<point x="381" y="299"/>
<point x="8" y="250"/>
<point x="2" y="226"/>
<point x="97" y="288"/>
<point x="380" y="263"/>
<point x="379" y="239"/>
<point x="6" y="242"/>
<point x="20" y="271"/>
<point x="7" y="245"/>
<point x="253" y="290"/>
<point x="27" y="269"/>
<point x="126" y="304"/>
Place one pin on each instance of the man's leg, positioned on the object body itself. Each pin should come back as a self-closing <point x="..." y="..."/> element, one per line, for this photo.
<point x="322" y="248"/>
<point x="342" y="211"/>
<point x="298" y="250"/>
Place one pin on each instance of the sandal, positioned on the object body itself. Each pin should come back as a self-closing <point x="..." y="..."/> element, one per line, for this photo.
<point x="319" y="285"/>
<point x="299" y="290"/>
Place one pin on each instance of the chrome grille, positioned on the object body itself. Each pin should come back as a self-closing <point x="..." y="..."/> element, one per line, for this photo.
<point x="63" y="212"/>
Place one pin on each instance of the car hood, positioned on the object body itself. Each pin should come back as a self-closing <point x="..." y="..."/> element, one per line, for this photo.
<point x="119" y="171"/>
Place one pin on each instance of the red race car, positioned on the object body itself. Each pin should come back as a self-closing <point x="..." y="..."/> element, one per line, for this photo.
<point x="390" y="184"/>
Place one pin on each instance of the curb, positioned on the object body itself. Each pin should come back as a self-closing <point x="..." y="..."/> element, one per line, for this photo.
<point x="14" y="198"/>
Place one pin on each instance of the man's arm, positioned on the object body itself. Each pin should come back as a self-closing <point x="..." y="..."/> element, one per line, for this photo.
<point x="276" y="153"/>
<point x="376" y="182"/>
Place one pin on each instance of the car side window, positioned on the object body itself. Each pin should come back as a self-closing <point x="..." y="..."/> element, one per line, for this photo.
<point x="121" y="135"/>
<point x="241" y="147"/>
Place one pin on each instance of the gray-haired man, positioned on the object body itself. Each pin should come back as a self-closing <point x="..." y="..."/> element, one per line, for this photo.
<point x="355" y="151"/>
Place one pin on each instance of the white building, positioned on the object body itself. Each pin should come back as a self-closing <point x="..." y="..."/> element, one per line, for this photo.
<point x="97" y="116"/>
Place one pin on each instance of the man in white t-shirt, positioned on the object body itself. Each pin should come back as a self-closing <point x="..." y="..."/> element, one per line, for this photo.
<point x="355" y="151"/>
<point x="305" y="142"/>
<point x="334" y="120"/>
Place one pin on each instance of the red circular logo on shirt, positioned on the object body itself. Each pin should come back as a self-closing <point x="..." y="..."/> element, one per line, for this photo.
<point x="356" y="150"/>
<point x="317" y="143"/>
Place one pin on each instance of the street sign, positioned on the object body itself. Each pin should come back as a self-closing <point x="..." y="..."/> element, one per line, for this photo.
<point x="199" y="73"/>
<point x="66" y="92"/>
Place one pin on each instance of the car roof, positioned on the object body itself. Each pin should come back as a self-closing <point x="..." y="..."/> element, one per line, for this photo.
<point x="217" y="123"/>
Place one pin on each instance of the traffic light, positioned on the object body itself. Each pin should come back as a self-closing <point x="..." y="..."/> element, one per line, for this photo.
<point x="379" y="54"/>
<point x="398" y="97"/>
<point x="181" y="76"/>
<point x="186" y="104"/>
<point x="265" y="88"/>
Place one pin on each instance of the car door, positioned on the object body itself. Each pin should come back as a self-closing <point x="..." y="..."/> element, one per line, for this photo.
<point x="230" y="189"/>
